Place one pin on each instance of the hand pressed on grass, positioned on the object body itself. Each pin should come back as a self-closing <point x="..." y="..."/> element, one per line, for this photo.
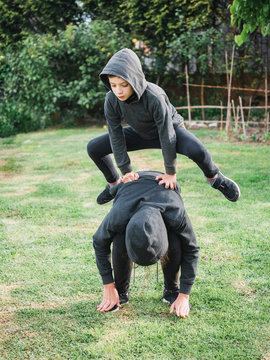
<point x="181" y="306"/>
<point x="110" y="298"/>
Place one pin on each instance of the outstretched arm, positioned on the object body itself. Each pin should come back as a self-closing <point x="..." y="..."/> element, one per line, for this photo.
<point x="102" y="240"/>
<point x="179" y="222"/>
<point x="162" y="115"/>
<point x="117" y="137"/>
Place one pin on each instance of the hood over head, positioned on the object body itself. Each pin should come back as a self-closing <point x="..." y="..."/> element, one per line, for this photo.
<point x="126" y="65"/>
<point x="146" y="236"/>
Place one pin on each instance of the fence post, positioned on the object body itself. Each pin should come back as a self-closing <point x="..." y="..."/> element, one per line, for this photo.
<point x="249" y="110"/>
<point x="221" y="117"/>
<point x="188" y="99"/>
<point x="237" y="118"/>
<point x="234" y="114"/>
<point x="227" y="71"/>
<point x="228" y="118"/>
<point x="242" y="116"/>
<point x="266" y="99"/>
<point x="202" y="99"/>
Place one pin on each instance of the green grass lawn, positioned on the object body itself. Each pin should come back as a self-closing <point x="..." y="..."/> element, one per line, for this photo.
<point x="49" y="283"/>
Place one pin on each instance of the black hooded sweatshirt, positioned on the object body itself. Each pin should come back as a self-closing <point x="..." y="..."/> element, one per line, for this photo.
<point x="129" y="198"/>
<point x="148" y="111"/>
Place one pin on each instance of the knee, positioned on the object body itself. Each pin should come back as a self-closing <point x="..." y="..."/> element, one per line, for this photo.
<point x="197" y="153"/>
<point x="91" y="148"/>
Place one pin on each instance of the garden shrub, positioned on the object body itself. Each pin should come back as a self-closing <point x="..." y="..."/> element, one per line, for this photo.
<point x="53" y="79"/>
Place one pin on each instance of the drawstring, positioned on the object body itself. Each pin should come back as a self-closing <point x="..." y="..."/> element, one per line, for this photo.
<point x="134" y="268"/>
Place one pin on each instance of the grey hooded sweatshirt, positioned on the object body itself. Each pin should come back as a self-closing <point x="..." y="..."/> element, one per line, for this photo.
<point x="148" y="111"/>
<point x="130" y="199"/>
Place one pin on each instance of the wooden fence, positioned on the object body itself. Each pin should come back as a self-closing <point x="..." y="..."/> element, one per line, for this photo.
<point x="231" y="109"/>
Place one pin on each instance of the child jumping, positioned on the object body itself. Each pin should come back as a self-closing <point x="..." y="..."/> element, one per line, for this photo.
<point x="153" y="124"/>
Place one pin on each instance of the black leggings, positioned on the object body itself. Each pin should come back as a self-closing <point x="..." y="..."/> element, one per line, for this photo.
<point x="122" y="265"/>
<point x="99" y="150"/>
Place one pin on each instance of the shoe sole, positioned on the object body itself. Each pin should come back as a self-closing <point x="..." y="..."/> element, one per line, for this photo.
<point x="124" y="303"/>
<point x="114" y="309"/>
<point x="234" y="199"/>
<point x="166" y="301"/>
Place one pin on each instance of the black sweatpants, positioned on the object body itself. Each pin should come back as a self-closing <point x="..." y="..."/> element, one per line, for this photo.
<point x="99" y="150"/>
<point x="122" y="265"/>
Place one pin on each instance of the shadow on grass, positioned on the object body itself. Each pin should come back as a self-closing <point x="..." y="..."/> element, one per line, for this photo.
<point x="77" y="331"/>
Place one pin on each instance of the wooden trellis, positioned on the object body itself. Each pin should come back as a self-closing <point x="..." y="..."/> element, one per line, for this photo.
<point x="230" y="107"/>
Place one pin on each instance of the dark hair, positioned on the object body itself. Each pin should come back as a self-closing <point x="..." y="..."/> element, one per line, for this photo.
<point x="165" y="258"/>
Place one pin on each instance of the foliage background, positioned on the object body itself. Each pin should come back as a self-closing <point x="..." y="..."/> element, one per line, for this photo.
<point x="54" y="78"/>
<point x="52" y="52"/>
<point x="249" y="15"/>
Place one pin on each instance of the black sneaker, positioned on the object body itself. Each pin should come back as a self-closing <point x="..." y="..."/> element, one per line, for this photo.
<point x="169" y="296"/>
<point x="227" y="186"/>
<point x="114" y="309"/>
<point x="105" y="196"/>
<point x="123" y="299"/>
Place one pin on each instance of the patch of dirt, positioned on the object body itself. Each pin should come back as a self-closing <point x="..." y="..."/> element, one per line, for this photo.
<point x="6" y="312"/>
<point x="44" y="305"/>
<point x="11" y="178"/>
<point x="8" y="152"/>
<point x="9" y="221"/>
<point x="81" y="178"/>
<point x="254" y="135"/>
<point x="209" y="239"/>
<point x="6" y="289"/>
<point x="266" y="357"/>
<point x="243" y="288"/>
<point x="8" y="325"/>
<point x="146" y="164"/>
<point x="20" y="192"/>
<point x="226" y="255"/>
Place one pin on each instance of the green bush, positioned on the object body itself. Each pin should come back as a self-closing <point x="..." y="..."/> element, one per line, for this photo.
<point x="14" y="119"/>
<point x="54" y="79"/>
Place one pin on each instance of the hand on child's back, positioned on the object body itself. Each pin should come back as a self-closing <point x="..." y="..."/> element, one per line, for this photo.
<point x="131" y="176"/>
<point x="169" y="181"/>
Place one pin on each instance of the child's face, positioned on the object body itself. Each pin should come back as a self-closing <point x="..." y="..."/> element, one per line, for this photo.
<point x="120" y="88"/>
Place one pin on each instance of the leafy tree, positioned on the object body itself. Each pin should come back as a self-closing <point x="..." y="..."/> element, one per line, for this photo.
<point x="54" y="78"/>
<point x="249" y="15"/>
<point x="21" y="17"/>
<point x="220" y="13"/>
<point x="153" y="23"/>
<point x="206" y="46"/>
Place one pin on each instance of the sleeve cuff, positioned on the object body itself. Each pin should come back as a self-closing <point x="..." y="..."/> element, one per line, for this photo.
<point x="125" y="169"/>
<point x="185" y="289"/>
<point x="170" y="170"/>
<point x="107" y="279"/>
